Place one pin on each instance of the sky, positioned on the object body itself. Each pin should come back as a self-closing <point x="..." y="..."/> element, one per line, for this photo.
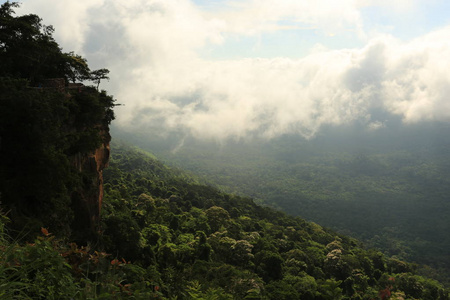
<point x="221" y="69"/>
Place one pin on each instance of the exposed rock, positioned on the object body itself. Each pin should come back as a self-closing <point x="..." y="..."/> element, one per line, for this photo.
<point x="87" y="201"/>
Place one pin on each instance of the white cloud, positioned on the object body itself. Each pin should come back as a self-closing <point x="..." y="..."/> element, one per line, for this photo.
<point x="71" y="19"/>
<point x="252" y="17"/>
<point x="398" y="5"/>
<point x="151" y="48"/>
<point x="276" y="96"/>
<point x="417" y="85"/>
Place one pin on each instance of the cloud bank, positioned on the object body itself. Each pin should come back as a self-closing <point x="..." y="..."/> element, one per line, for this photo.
<point x="153" y="51"/>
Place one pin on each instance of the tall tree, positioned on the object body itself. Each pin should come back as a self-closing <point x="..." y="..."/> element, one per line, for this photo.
<point x="28" y="50"/>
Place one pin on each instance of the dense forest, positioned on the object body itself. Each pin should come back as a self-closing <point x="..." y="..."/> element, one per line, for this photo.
<point x="166" y="236"/>
<point x="387" y="188"/>
<point x="144" y="230"/>
<point x="220" y="240"/>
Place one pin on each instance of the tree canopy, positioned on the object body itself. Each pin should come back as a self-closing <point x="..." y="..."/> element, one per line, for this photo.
<point x="43" y="129"/>
<point x="28" y="50"/>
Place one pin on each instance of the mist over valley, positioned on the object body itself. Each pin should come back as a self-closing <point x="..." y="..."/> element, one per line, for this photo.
<point x="388" y="187"/>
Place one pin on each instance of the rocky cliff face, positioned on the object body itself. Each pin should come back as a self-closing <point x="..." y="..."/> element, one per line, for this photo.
<point x="87" y="200"/>
<point x="101" y="159"/>
<point x="52" y="172"/>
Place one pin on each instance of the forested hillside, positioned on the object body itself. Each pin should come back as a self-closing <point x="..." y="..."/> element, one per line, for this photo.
<point x="387" y="188"/>
<point x="166" y="236"/>
<point x="200" y="240"/>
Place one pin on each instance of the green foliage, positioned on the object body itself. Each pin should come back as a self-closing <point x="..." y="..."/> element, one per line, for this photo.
<point x="37" y="271"/>
<point x="28" y="50"/>
<point x="194" y="290"/>
<point x="45" y="130"/>
<point x="51" y="269"/>
<point x="98" y="75"/>
<point x="202" y="240"/>
<point x="387" y="188"/>
<point x="153" y="227"/>
<point x="41" y="133"/>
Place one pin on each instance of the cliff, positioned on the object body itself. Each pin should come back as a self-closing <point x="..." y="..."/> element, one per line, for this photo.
<point x="54" y="147"/>
<point x="54" y="138"/>
<point x="87" y="199"/>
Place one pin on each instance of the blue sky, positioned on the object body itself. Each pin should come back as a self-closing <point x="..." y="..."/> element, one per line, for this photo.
<point x="410" y="21"/>
<point x="231" y="69"/>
